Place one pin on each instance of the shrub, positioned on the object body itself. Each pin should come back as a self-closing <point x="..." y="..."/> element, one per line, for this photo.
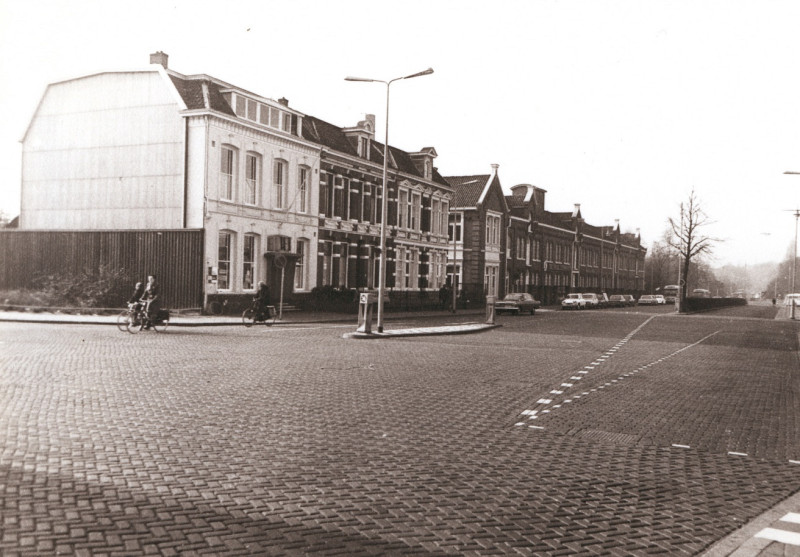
<point x="102" y="287"/>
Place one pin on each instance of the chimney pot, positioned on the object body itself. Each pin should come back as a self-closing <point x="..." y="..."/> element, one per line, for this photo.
<point x="284" y="101"/>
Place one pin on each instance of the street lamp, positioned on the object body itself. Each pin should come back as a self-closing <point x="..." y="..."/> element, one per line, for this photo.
<point x="385" y="197"/>
<point x="794" y="260"/>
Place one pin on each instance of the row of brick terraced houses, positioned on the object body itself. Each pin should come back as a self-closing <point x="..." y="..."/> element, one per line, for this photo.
<point x="271" y="193"/>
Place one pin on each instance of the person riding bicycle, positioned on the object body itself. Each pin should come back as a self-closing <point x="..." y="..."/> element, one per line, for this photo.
<point x="151" y="298"/>
<point x="262" y="298"/>
<point x="138" y="292"/>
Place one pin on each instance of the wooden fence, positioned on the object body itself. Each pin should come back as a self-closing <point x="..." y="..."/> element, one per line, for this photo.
<point x="175" y="257"/>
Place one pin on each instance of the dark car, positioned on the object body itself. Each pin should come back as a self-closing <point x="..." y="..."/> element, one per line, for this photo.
<point x="516" y="303"/>
<point x="617" y="301"/>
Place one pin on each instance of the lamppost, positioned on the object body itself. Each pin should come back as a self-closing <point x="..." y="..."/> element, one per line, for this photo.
<point x="385" y="197"/>
<point x="794" y="259"/>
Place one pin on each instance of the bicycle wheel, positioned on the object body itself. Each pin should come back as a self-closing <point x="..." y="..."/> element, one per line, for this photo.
<point x="161" y="326"/>
<point x="248" y="317"/>
<point x="122" y="320"/>
<point x="135" y="324"/>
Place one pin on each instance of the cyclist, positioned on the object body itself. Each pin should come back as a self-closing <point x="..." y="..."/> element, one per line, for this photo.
<point x="151" y="299"/>
<point x="138" y="292"/>
<point x="262" y="299"/>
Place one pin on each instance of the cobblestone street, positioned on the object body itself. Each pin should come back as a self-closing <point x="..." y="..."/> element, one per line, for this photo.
<point x="585" y="433"/>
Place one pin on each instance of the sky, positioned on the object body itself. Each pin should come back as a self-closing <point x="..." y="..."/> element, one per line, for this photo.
<point x="624" y="107"/>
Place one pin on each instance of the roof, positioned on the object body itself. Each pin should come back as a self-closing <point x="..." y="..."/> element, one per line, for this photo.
<point x="468" y="189"/>
<point x="203" y="92"/>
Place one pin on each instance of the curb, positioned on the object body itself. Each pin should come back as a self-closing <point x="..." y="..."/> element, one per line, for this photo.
<point x="424" y="331"/>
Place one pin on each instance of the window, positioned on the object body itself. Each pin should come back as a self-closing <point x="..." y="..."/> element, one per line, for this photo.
<point x="252" y="108"/>
<point x="492" y="230"/>
<point x="402" y="206"/>
<point x="416" y="212"/>
<point x="490" y="274"/>
<point x="436" y="216"/>
<point x="300" y="267"/>
<point x="279" y="183"/>
<point x="224" y="261"/>
<point x="251" y="179"/>
<point x="444" y="224"/>
<point x="302" y="188"/>
<point x="455" y="227"/>
<point x="274" y="118"/>
<point x="249" y="262"/>
<point x="227" y="165"/>
<point x="287" y="122"/>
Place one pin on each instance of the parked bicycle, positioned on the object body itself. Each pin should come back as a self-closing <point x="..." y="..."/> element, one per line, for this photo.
<point x="255" y="314"/>
<point x="140" y="321"/>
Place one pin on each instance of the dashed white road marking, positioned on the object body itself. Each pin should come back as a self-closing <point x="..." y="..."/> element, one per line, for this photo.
<point x="794" y="518"/>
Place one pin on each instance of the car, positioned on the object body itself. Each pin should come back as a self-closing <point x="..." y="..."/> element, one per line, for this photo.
<point x="592" y="301"/>
<point x="516" y="303"/>
<point x="573" y="301"/>
<point x="660" y="299"/>
<point x="617" y="301"/>
<point x="787" y="301"/>
<point x="648" y="300"/>
<point x="631" y="300"/>
<point x="604" y="301"/>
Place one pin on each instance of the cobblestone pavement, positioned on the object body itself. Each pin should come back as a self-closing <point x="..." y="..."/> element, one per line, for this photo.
<point x="662" y="435"/>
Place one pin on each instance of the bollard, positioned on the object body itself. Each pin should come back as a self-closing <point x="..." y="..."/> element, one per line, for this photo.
<point x="366" y="301"/>
<point x="490" y="300"/>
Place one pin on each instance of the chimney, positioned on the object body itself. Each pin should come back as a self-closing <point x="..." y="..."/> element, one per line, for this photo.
<point x="495" y="167"/>
<point x="284" y="101"/>
<point x="577" y="210"/>
<point x="159" y="58"/>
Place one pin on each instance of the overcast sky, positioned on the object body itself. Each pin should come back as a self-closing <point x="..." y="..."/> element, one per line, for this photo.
<point x="621" y="106"/>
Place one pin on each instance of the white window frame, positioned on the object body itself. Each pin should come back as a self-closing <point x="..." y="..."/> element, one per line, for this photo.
<point x="226" y="264"/>
<point x="303" y="177"/>
<point x="252" y="263"/>
<point x="227" y="172"/>
<point x="279" y="179"/>
<point x="252" y="177"/>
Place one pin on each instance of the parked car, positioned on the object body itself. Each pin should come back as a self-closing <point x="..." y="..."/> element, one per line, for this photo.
<point x="573" y="301"/>
<point x="516" y="303"/>
<point x="592" y="301"/>
<point x="604" y="301"/>
<point x="617" y="301"/>
<point x="792" y="298"/>
<point x="660" y="299"/>
<point x="631" y="300"/>
<point x="648" y="300"/>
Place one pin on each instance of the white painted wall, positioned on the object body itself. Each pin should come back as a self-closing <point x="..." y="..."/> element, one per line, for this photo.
<point x="105" y="152"/>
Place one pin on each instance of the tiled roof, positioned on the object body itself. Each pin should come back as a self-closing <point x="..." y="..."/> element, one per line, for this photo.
<point x="468" y="189"/>
<point x="314" y="129"/>
<point x="191" y="91"/>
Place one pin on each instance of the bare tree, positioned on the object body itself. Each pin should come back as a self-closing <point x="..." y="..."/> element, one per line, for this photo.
<point x="688" y="237"/>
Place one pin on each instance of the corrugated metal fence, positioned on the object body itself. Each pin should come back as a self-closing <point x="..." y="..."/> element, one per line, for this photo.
<point x="175" y="257"/>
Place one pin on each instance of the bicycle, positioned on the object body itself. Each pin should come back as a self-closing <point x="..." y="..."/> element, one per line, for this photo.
<point x="126" y="315"/>
<point x="254" y="314"/>
<point x="140" y="321"/>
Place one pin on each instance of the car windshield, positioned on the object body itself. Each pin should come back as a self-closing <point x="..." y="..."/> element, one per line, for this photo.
<point x="574" y="296"/>
<point x="514" y="297"/>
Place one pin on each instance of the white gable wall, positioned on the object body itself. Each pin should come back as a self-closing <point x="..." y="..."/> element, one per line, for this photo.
<point x="105" y="152"/>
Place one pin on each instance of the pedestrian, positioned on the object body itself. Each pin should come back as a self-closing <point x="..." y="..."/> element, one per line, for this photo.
<point x="444" y="296"/>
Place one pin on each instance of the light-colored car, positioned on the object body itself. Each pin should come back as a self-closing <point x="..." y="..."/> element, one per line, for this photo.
<point x="660" y="299"/>
<point x="592" y="301"/>
<point x="516" y="303"/>
<point x="617" y="301"/>
<point x="787" y="301"/>
<point x="648" y="300"/>
<point x="573" y="301"/>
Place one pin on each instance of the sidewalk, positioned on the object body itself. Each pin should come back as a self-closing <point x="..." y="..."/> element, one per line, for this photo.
<point x="293" y="317"/>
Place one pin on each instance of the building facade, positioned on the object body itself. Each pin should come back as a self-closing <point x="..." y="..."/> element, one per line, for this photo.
<point x="279" y="195"/>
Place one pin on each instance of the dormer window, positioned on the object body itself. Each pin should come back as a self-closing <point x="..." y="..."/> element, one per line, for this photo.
<point x="428" y="169"/>
<point x="271" y="116"/>
<point x="363" y="147"/>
